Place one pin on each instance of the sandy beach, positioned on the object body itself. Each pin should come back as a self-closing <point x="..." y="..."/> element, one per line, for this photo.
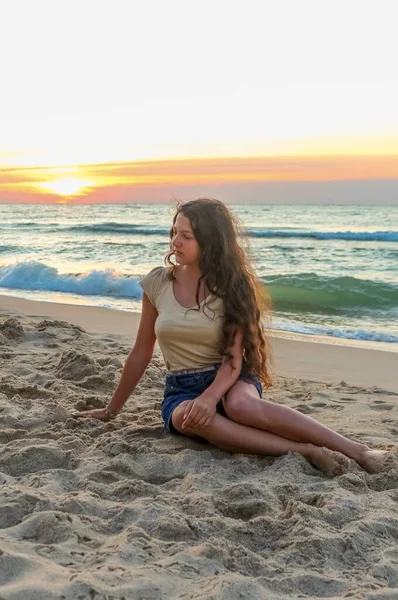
<point x="121" y="510"/>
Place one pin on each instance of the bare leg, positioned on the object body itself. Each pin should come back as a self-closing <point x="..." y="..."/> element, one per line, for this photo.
<point x="234" y="437"/>
<point x="293" y="425"/>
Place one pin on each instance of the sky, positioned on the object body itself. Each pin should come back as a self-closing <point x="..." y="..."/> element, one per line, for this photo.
<point x="133" y="101"/>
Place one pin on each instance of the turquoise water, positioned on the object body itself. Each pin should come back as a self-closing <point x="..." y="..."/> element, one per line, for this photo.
<point x="331" y="270"/>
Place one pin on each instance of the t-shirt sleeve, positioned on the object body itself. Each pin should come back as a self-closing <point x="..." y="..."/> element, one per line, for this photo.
<point x="152" y="283"/>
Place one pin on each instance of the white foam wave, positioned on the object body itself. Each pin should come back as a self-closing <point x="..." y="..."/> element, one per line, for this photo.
<point x="38" y="276"/>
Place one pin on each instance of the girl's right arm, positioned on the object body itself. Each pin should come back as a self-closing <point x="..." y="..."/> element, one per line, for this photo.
<point x="134" y="367"/>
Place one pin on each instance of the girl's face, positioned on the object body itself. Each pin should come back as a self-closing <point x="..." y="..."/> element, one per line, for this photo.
<point x="183" y="242"/>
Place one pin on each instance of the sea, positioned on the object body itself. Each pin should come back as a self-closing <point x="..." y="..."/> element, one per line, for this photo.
<point x="331" y="270"/>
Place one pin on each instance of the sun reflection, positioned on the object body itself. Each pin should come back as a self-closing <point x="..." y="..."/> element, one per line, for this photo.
<point x="68" y="186"/>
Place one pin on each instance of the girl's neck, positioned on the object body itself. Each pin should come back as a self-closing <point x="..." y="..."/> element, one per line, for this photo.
<point x="189" y="272"/>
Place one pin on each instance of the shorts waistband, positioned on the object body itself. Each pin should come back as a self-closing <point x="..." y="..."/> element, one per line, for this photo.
<point x="189" y="371"/>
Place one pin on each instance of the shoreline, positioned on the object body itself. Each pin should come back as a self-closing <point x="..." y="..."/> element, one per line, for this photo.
<point x="294" y="355"/>
<point x="7" y="301"/>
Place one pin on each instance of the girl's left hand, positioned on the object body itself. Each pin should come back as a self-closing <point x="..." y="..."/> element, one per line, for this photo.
<point x="200" y="413"/>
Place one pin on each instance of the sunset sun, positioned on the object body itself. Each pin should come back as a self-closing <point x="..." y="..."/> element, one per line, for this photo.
<point x="67" y="187"/>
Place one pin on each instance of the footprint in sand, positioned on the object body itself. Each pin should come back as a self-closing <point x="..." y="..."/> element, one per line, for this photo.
<point x="35" y="458"/>
<point x="46" y="527"/>
<point x="380" y="405"/>
<point x="12" y="330"/>
<point x="304" y="408"/>
<point x="245" y="501"/>
<point x="345" y="399"/>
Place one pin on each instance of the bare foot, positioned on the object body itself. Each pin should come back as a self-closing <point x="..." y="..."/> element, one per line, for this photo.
<point x="374" y="461"/>
<point x="330" y="462"/>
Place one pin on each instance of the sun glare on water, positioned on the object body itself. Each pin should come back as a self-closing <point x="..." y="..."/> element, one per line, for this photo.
<point x="68" y="186"/>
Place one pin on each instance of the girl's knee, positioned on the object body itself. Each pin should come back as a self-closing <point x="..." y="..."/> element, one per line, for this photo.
<point x="177" y="419"/>
<point x="236" y="406"/>
<point x="239" y="406"/>
<point x="178" y="415"/>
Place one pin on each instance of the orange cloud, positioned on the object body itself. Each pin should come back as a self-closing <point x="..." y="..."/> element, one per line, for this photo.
<point x="143" y="180"/>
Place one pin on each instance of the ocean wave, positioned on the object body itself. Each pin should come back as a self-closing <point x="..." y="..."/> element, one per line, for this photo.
<point x="258" y="232"/>
<point x="304" y="292"/>
<point x="359" y="236"/>
<point x="254" y="232"/>
<point x="10" y="248"/>
<point x="23" y="224"/>
<point x="37" y="276"/>
<point x="312" y="292"/>
<point x="344" y="332"/>
<point x="114" y="227"/>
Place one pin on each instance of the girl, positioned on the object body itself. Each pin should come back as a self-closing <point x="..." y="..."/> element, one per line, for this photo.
<point x="205" y="310"/>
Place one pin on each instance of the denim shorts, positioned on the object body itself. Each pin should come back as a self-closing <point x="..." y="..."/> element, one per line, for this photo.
<point x="189" y="386"/>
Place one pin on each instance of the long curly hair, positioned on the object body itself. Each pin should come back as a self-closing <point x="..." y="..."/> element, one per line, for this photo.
<point x="227" y="271"/>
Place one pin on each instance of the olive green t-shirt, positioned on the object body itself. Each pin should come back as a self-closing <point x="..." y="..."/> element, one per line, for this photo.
<point x="188" y="339"/>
